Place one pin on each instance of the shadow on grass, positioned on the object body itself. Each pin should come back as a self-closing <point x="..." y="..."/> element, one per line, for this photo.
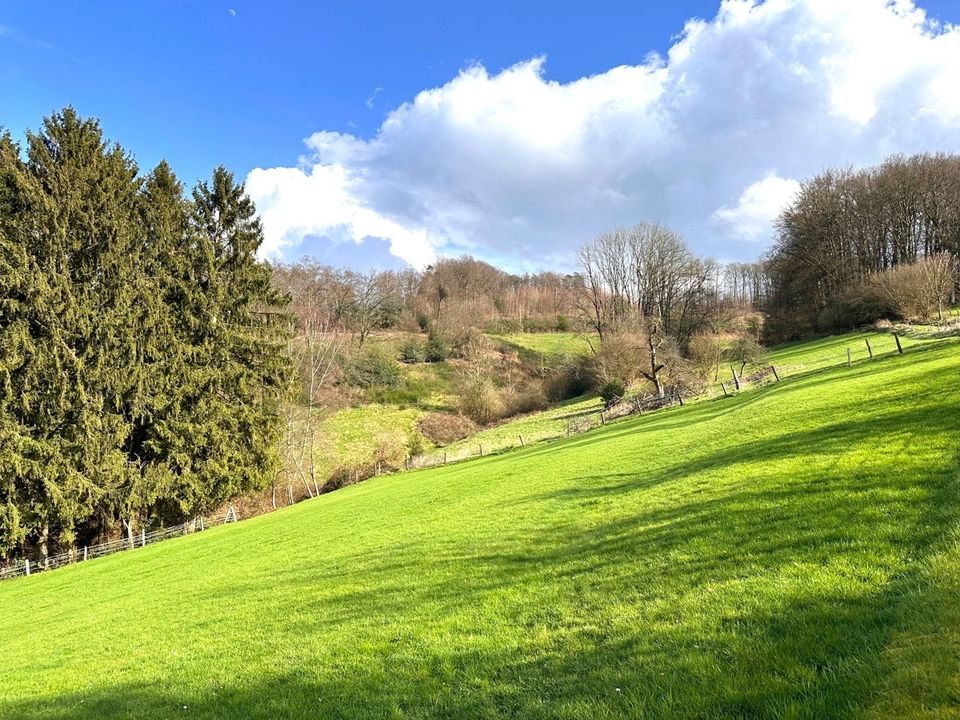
<point x="764" y="598"/>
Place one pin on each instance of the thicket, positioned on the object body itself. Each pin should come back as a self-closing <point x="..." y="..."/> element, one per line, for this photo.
<point x="842" y="245"/>
<point x="141" y="342"/>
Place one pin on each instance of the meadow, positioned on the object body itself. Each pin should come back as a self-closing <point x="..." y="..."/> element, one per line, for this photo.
<point x="790" y="551"/>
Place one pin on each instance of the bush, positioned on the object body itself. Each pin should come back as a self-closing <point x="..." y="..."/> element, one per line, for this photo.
<point x="563" y="325"/>
<point x="620" y="357"/>
<point x="706" y="351"/>
<point x="413" y="352"/>
<point x="503" y="326"/>
<point x="437" y="349"/>
<point x="568" y="380"/>
<point x="920" y="290"/>
<point x="612" y="391"/>
<point x="530" y="398"/>
<point x="372" y="369"/>
<point x="479" y="400"/>
<point x="443" y="428"/>
<point x="861" y="305"/>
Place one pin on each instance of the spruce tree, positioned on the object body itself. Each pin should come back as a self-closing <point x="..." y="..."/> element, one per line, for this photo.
<point x="141" y="342"/>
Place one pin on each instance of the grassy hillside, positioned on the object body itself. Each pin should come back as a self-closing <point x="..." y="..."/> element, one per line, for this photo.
<point x="547" y="346"/>
<point x="791" y="551"/>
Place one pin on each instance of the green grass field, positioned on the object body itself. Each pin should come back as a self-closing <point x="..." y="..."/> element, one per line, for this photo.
<point x="547" y="346"/>
<point x="793" y="551"/>
<point x="543" y="425"/>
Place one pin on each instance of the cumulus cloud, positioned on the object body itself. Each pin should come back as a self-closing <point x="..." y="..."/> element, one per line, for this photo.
<point x="517" y="168"/>
<point x="758" y="207"/>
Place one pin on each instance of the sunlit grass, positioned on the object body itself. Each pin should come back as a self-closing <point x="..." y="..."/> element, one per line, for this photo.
<point x="788" y="552"/>
<point x="548" y="345"/>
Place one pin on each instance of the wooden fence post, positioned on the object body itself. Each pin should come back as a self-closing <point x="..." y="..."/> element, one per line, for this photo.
<point x="849" y="358"/>
<point x="869" y="349"/>
<point x="481" y="449"/>
<point x="444" y="457"/>
<point x="26" y="565"/>
<point x="603" y="420"/>
<point x="84" y="552"/>
<point x="724" y="388"/>
<point x="777" y="376"/>
<point x="899" y="347"/>
<point x="521" y="441"/>
<point x="201" y="523"/>
<point x="143" y="537"/>
<point x="736" y="380"/>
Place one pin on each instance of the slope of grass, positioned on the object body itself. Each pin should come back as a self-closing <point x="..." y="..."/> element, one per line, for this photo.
<point x="788" y="552"/>
<point x="548" y="346"/>
<point x="353" y="437"/>
<point x="534" y="427"/>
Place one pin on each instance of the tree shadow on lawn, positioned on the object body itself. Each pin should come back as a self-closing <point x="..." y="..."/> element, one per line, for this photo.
<point x="754" y="599"/>
<point x="718" y="637"/>
<point x="804" y="654"/>
<point x="781" y="393"/>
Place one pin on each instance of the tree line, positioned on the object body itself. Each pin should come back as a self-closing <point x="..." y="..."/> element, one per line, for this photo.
<point x="835" y="260"/>
<point x="150" y="363"/>
<point x="141" y="342"/>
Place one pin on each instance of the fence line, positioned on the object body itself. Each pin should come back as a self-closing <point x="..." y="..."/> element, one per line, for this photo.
<point x="26" y="566"/>
<point x="588" y="420"/>
<point x="599" y="416"/>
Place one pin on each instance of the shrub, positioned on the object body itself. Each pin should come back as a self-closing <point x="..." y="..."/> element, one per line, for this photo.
<point x="746" y="350"/>
<point x="391" y="449"/>
<point x="372" y="369"/>
<point x="530" y="398"/>
<point x="504" y="326"/>
<point x="620" y="357"/>
<point x="413" y="352"/>
<point x="437" y="350"/>
<point x="563" y="325"/>
<point x="443" y="428"/>
<point x="479" y="400"/>
<point x="861" y="305"/>
<point x="921" y="289"/>
<point x="567" y="380"/>
<point x="705" y="351"/>
<point x="423" y="321"/>
<point x="612" y="391"/>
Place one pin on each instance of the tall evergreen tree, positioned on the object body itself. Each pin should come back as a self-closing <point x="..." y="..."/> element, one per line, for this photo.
<point x="141" y="344"/>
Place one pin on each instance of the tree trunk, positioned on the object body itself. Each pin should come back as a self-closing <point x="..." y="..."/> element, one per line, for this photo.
<point x="45" y="545"/>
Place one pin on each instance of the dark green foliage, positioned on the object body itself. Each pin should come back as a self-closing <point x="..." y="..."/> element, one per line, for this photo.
<point x="612" y="391"/>
<point x="413" y="352"/>
<point x="563" y="325"/>
<point x="372" y="369"/>
<point x="423" y="321"/>
<point x="437" y="349"/>
<point x="140" y="342"/>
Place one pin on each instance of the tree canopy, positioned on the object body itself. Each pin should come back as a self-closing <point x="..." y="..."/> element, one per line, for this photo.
<point x="141" y="342"/>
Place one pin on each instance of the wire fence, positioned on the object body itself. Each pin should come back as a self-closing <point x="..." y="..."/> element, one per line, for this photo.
<point x="26" y="566"/>
<point x="734" y="381"/>
<point x="578" y="423"/>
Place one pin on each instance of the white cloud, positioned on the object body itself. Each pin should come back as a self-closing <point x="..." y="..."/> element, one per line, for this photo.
<point x="759" y="205"/>
<point x="515" y="167"/>
<point x="373" y="97"/>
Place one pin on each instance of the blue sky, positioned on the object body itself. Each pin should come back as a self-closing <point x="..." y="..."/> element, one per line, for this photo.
<point x="498" y="151"/>
<point x="199" y="85"/>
